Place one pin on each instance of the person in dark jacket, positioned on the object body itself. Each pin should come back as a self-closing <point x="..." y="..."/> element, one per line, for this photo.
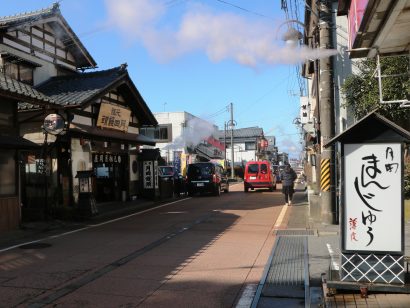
<point x="288" y="176"/>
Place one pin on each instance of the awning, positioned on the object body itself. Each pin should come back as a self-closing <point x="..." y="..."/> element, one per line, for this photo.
<point x="17" y="142"/>
<point x="82" y="130"/>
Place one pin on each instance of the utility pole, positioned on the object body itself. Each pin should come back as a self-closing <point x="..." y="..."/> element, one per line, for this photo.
<point x="326" y="106"/>
<point x="232" y="151"/>
<point x="225" y="129"/>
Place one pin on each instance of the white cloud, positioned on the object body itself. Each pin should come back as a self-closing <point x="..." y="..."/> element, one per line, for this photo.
<point x="220" y="35"/>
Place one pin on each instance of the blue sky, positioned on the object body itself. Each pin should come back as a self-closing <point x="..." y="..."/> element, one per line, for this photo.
<point x="195" y="56"/>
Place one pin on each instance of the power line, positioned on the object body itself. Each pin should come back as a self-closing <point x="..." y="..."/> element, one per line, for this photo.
<point x="246" y="10"/>
<point x="219" y="112"/>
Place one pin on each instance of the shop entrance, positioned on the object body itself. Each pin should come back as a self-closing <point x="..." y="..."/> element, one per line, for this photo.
<point x="110" y="176"/>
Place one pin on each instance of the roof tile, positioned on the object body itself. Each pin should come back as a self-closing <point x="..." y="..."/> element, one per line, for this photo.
<point x="11" y="85"/>
<point x="79" y="88"/>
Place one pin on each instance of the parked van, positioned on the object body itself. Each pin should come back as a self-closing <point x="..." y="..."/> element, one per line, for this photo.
<point x="206" y="177"/>
<point x="259" y="174"/>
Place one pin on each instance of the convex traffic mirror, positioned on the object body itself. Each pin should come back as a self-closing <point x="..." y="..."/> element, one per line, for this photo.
<point x="54" y="124"/>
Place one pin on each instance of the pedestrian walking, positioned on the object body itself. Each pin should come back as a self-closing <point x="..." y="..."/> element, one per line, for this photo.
<point x="288" y="176"/>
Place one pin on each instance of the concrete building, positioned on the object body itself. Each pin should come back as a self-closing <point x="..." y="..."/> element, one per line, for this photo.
<point x="183" y="138"/>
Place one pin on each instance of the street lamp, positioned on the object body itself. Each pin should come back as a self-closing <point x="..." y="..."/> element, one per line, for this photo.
<point x="292" y="35"/>
<point x="231" y="123"/>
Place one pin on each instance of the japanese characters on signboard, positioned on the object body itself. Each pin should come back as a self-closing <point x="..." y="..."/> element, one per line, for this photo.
<point x="114" y="117"/>
<point x="373" y="197"/>
<point x="150" y="174"/>
<point x="304" y="109"/>
<point x="107" y="158"/>
<point x="177" y="161"/>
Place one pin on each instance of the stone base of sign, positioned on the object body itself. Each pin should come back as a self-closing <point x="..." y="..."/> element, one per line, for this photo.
<point x="372" y="268"/>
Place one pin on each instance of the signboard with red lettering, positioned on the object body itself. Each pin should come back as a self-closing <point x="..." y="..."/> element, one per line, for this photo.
<point x="114" y="117"/>
<point x="264" y="143"/>
<point x="373" y="219"/>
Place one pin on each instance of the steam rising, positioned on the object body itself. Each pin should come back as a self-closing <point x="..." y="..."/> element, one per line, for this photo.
<point x="194" y="133"/>
<point x="221" y="36"/>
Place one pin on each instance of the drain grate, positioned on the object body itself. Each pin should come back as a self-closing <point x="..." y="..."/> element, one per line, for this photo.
<point x="290" y="232"/>
<point x="35" y="246"/>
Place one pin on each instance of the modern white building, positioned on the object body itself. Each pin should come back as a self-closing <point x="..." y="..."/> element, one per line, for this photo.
<point x="184" y="138"/>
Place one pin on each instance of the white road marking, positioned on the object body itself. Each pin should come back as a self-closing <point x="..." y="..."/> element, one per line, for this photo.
<point x="247" y="296"/>
<point x="281" y="216"/>
<point x="91" y="226"/>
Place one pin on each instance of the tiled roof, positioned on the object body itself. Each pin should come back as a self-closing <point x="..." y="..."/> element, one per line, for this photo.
<point x="82" y="87"/>
<point x="17" y="19"/>
<point x="21" y="91"/>
<point x="248" y="132"/>
<point x="60" y="25"/>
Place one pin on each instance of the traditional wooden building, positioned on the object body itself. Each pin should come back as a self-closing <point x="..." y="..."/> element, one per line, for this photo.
<point x="101" y="112"/>
<point x="13" y="147"/>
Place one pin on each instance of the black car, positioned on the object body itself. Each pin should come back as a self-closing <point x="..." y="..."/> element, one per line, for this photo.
<point x="169" y="173"/>
<point x="206" y="177"/>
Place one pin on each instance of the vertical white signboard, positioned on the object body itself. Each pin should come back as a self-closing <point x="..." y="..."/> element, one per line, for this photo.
<point x="373" y="197"/>
<point x="304" y="109"/>
<point x="156" y="174"/>
<point x="148" y="174"/>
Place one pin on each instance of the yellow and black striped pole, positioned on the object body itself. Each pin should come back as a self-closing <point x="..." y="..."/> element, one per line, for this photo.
<point x="325" y="174"/>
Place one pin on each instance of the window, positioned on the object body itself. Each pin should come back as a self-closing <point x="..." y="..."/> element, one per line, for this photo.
<point x="147" y="131"/>
<point x="26" y="74"/>
<point x="250" y="146"/>
<point x="160" y="133"/>
<point x="20" y="72"/>
<point x="253" y="168"/>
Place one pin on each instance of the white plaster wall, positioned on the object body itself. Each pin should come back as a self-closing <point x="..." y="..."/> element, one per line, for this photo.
<point x="82" y="120"/>
<point x="240" y="154"/>
<point x="81" y="160"/>
<point x="176" y="119"/>
<point x="133" y="130"/>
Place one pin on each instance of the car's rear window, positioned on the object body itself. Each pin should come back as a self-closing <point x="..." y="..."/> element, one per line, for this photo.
<point x="253" y="168"/>
<point x="166" y="171"/>
<point x="200" y="169"/>
<point x="264" y="168"/>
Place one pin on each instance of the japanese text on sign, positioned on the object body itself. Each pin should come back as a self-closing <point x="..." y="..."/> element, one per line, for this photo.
<point x="113" y="116"/>
<point x="373" y="197"/>
<point x="107" y="158"/>
<point x="148" y="176"/>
